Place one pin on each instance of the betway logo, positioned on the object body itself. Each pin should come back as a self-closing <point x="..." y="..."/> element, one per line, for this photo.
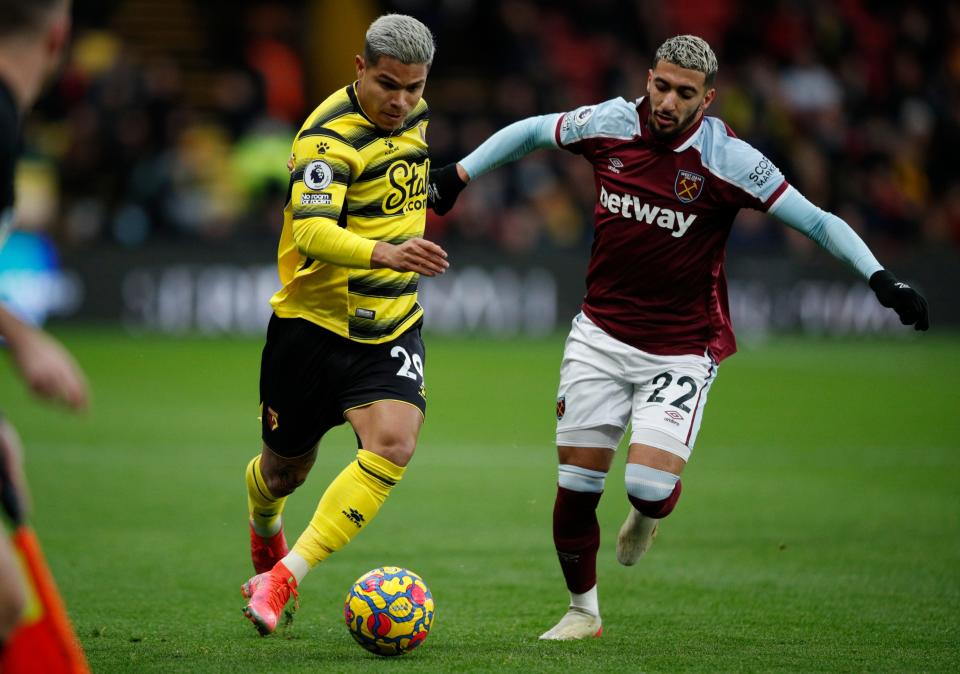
<point x="629" y="206"/>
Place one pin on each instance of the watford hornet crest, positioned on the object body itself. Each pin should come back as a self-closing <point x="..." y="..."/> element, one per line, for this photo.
<point x="273" y="419"/>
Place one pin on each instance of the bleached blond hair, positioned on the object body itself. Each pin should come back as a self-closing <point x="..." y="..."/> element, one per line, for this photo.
<point x="691" y="52"/>
<point x="401" y="37"/>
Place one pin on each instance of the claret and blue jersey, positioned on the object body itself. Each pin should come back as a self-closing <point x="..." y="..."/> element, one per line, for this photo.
<point x="663" y="214"/>
<point x="662" y="218"/>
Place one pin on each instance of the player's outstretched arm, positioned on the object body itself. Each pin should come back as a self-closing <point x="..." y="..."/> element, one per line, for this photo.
<point x="418" y="255"/>
<point x="46" y="367"/>
<point x="842" y="242"/>
<point x="508" y="144"/>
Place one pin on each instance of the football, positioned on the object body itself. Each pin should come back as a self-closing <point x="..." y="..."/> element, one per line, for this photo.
<point x="389" y="610"/>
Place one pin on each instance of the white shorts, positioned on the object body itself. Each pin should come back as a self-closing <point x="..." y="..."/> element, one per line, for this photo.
<point x="606" y="384"/>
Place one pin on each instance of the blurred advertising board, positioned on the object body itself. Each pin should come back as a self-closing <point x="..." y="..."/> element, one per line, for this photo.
<point x="225" y="290"/>
<point x="32" y="283"/>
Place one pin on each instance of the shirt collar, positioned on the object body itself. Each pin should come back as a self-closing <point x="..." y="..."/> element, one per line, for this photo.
<point x="678" y="144"/>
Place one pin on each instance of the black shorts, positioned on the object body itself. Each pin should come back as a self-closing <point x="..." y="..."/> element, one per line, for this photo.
<point x="309" y="377"/>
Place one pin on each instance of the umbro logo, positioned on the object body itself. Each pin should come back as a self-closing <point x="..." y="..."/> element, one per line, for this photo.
<point x="615" y="165"/>
<point x="354" y="516"/>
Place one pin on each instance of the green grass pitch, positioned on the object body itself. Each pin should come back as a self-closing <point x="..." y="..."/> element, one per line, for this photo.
<point x="819" y="528"/>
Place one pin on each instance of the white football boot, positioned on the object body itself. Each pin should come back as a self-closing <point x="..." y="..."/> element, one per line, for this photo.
<point x="576" y="624"/>
<point x="635" y="537"/>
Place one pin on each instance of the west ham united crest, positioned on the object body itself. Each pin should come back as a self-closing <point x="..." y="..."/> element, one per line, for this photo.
<point x="561" y="407"/>
<point x="687" y="186"/>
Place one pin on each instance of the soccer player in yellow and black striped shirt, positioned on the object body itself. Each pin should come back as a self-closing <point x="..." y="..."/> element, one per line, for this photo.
<point x="344" y="341"/>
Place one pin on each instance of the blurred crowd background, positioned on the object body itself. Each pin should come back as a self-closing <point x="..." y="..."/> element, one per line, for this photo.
<point x="174" y="118"/>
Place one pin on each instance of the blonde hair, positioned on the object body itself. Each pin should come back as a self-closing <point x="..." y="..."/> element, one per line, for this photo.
<point x="401" y="37"/>
<point x="691" y="52"/>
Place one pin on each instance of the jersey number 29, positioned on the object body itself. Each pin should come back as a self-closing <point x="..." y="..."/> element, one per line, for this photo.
<point x="408" y="360"/>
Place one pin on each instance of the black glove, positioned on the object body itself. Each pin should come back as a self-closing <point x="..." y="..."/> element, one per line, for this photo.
<point x="444" y="188"/>
<point x="907" y="302"/>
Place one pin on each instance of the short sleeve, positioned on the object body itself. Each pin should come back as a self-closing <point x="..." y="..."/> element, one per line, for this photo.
<point x="616" y="118"/>
<point x="738" y="163"/>
<point x="324" y="166"/>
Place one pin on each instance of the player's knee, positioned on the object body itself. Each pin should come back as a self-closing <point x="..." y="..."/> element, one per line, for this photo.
<point x="575" y="526"/>
<point x="580" y="479"/>
<point x="284" y="481"/>
<point x="654" y="493"/>
<point x="395" y="445"/>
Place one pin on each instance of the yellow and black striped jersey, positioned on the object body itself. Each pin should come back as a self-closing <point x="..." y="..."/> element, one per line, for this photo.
<point x="352" y="185"/>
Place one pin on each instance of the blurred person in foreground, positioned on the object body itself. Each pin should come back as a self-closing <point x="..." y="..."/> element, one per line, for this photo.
<point x="33" y="34"/>
<point x="344" y="341"/>
<point x="654" y="323"/>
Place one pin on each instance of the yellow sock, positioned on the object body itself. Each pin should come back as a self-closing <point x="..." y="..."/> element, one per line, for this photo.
<point x="348" y="505"/>
<point x="264" y="509"/>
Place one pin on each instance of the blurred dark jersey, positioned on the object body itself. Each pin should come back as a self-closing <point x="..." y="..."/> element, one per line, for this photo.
<point x="9" y="149"/>
<point x="664" y="210"/>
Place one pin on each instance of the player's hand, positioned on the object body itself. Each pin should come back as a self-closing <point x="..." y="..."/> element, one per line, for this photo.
<point x="445" y="186"/>
<point x="419" y="255"/>
<point x="907" y="302"/>
<point x="48" y="369"/>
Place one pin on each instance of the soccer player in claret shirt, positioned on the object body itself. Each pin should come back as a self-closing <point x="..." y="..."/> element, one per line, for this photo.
<point x="655" y="322"/>
<point x="344" y="342"/>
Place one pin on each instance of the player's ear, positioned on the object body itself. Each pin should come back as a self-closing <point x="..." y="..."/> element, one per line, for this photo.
<point x="360" y="64"/>
<point x="708" y="97"/>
